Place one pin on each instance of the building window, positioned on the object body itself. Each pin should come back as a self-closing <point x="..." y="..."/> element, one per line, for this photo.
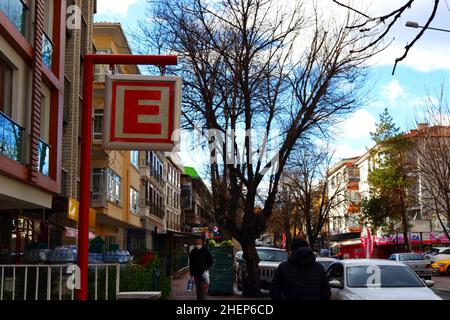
<point x="11" y="133"/>
<point x="114" y="187"/>
<point x="106" y="186"/>
<point x="6" y="81"/>
<point x="102" y="69"/>
<point x="98" y="124"/>
<point x="17" y="13"/>
<point x="47" y="43"/>
<point x="134" y="155"/>
<point x="134" y="200"/>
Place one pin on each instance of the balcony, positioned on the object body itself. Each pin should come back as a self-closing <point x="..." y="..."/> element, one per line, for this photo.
<point x="17" y="13"/>
<point x="44" y="158"/>
<point x="157" y="211"/>
<point x="47" y="51"/>
<point x="144" y="203"/>
<point x="11" y="138"/>
<point x="152" y="172"/>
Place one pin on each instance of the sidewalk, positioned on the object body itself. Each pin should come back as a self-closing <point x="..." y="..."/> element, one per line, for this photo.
<point x="179" y="292"/>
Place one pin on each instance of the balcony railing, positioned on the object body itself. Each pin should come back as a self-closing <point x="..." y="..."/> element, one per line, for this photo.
<point x="11" y="138"/>
<point x="143" y="163"/>
<point x="157" y="211"/>
<point x="98" y="199"/>
<point x="50" y="282"/>
<point x="144" y="203"/>
<point x="17" y="13"/>
<point x="47" y="50"/>
<point x="44" y="158"/>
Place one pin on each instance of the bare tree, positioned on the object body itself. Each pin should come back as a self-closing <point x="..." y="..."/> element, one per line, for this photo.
<point x="383" y="24"/>
<point x="310" y="184"/>
<point x="432" y="153"/>
<point x="256" y="64"/>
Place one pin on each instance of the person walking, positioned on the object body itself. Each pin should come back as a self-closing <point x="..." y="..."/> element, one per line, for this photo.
<point x="301" y="277"/>
<point x="200" y="260"/>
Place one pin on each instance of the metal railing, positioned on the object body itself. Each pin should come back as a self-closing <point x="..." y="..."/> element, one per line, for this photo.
<point x="11" y="138"/>
<point x="16" y="12"/>
<point x="44" y="158"/>
<point x="47" y="50"/>
<point x="51" y="282"/>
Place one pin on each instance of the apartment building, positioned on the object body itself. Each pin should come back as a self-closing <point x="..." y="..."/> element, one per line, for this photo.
<point x="152" y="202"/>
<point x="173" y="192"/>
<point x="344" y="183"/>
<point x="116" y="177"/>
<point x="78" y="39"/>
<point x="200" y="213"/>
<point x="32" y="46"/>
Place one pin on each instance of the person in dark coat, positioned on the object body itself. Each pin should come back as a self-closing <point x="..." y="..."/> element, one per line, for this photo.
<point x="200" y="260"/>
<point x="301" y="277"/>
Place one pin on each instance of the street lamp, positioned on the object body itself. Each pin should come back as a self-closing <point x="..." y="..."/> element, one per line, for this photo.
<point x="414" y="24"/>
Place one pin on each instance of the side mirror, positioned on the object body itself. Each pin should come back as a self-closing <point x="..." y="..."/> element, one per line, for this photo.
<point x="336" y="284"/>
<point x="429" y="283"/>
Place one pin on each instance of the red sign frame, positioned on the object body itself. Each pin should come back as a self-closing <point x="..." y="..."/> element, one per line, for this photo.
<point x="142" y="112"/>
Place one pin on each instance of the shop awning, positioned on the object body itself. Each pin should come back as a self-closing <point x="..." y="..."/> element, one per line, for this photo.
<point x="73" y="233"/>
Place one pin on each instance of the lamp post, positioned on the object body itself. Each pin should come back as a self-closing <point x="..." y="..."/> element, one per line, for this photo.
<point x="414" y="24"/>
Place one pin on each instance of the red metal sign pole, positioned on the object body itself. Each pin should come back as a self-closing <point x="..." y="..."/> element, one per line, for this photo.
<point x="86" y="144"/>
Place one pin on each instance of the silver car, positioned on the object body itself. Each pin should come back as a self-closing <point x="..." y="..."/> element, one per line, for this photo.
<point x="416" y="262"/>
<point x="269" y="258"/>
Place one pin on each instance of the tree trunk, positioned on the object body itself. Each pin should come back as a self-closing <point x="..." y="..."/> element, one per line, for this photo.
<point x="405" y="227"/>
<point x="251" y="282"/>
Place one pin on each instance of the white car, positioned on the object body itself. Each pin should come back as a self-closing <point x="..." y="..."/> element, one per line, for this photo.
<point x="438" y="253"/>
<point x="325" y="261"/>
<point x="372" y="279"/>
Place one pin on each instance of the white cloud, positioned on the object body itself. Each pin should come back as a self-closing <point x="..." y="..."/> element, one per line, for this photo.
<point x="116" y="7"/>
<point x="392" y="91"/>
<point x="347" y="150"/>
<point x="357" y="126"/>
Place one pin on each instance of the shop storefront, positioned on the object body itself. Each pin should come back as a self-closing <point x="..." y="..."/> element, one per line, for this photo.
<point x="18" y="232"/>
<point x="382" y="246"/>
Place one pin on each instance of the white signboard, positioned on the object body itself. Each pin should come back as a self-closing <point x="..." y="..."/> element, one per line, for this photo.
<point x="417" y="226"/>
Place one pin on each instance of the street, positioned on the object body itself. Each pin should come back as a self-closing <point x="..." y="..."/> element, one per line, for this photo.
<point x="442" y="286"/>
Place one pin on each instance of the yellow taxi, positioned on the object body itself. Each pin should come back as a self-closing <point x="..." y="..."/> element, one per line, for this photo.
<point x="441" y="267"/>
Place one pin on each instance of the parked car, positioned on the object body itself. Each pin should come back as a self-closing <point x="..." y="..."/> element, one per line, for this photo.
<point x="269" y="258"/>
<point x="438" y="253"/>
<point x="237" y="257"/>
<point x="372" y="279"/>
<point x="325" y="262"/>
<point x="416" y="262"/>
<point x="441" y="267"/>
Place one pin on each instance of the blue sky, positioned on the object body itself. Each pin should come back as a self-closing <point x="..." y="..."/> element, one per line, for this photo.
<point x="424" y="70"/>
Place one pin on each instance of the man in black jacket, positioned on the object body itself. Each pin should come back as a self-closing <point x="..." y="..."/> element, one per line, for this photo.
<point x="200" y="260"/>
<point x="301" y="277"/>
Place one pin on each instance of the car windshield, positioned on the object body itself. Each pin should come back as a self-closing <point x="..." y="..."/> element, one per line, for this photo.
<point x="325" y="264"/>
<point x="272" y="255"/>
<point x="410" y="257"/>
<point x="382" y="277"/>
<point x="432" y="251"/>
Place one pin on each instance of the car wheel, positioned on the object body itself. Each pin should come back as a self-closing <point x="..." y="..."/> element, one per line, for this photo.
<point x="448" y="270"/>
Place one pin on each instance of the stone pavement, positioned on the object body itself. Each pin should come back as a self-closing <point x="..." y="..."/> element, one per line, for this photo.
<point x="179" y="291"/>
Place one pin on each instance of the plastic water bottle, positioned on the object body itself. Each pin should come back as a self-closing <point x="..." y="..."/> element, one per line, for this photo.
<point x="190" y="285"/>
